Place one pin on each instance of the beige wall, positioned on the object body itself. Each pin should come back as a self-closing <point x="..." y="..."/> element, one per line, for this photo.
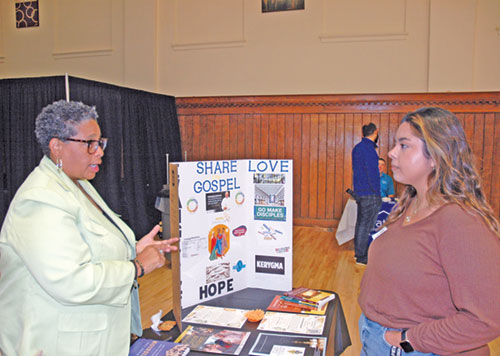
<point x="228" y="47"/>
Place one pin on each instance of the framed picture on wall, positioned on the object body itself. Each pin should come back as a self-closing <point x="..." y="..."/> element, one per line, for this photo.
<point x="282" y="5"/>
<point x="27" y="14"/>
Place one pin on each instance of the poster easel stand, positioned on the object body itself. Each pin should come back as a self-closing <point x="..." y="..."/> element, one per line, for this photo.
<point x="174" y="231"/>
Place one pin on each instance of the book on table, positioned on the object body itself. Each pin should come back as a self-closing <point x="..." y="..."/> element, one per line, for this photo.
<point x="149" y="347"/>
<point x="282" y="305"/>
<point x="214" y="340"/>
<point x="309" y="295"/>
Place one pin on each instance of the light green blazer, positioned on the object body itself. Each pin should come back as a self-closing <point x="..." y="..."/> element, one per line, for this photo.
<point x="66" y="284"/>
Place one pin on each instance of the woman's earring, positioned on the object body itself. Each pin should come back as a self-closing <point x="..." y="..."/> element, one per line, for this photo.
<point x="59" y="163"/>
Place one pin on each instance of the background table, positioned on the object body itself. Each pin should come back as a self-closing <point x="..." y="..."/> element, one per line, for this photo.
<point x="254" y="298"/>
<point x="347" y="223"/>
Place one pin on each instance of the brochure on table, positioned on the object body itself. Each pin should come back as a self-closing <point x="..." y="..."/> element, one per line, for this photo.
<point x="287" y="345"/>
<point x="235" y="225"/>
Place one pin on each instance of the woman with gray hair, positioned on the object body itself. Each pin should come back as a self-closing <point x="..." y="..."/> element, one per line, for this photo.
<point x="69" y="264"/>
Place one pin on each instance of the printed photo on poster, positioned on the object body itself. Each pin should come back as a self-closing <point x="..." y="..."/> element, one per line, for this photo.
<point x="213" y="201"/>
<point x="218" y="241"/>
<point x="217" y="272"/>
<point x="269" y="199"/>
<point x="194" y="246"/>
<point x="269" y="235"/>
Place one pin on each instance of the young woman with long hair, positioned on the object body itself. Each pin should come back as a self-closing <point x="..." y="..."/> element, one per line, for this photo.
<point x="434" y="271"/>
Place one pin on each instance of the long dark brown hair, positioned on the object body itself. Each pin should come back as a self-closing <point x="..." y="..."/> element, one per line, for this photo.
<point x="455" y="178"/>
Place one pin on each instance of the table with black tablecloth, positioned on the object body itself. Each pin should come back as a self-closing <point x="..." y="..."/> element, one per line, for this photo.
<point x="347" y="223"/>
<point x="253" y="298"/>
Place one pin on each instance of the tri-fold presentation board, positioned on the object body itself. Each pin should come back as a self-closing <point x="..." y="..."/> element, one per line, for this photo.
<point x="234" y="219"/>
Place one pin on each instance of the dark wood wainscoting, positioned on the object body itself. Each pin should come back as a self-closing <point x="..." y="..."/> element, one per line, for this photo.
<point x="319" y="131"/>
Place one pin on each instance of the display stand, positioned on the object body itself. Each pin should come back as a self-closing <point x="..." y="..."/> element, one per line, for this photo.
<point x="235" y="224"/>
<point x="174" y="231"/>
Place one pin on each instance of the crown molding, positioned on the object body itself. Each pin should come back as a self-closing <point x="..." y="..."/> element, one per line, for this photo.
<point x="460" y="102"/>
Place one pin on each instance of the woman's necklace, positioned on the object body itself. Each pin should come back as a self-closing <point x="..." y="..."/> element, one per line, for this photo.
<point x="413" y="213"/>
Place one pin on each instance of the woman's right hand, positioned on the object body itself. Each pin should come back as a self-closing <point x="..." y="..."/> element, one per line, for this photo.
<point x="150" y="258"/>
<point x="393" y="337"/>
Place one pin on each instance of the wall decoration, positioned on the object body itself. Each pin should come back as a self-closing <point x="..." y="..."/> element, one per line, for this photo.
<point x="282" y="5"/>
<point x="27" y="14"/>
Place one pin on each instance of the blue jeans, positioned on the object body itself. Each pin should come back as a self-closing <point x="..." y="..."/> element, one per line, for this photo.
<point x="368" y="208"/>
<point x="373" y="342"/>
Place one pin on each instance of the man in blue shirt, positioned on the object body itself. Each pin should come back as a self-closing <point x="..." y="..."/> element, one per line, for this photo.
<point x="366" y="183"/>
<point x="386" y="183"/>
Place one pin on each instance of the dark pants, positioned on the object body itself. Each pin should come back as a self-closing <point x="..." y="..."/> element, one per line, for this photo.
<point x="368" y="208"/>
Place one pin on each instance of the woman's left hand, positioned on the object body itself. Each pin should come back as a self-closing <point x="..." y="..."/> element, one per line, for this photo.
<point x="393" y="337"/>
<point x="161" y="245"/>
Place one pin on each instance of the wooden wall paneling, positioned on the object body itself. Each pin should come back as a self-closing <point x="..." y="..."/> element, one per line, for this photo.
<point x="226" y="137"/>
<point x="478" y="140"/>
<point x="204" y="138"/>
<point x="218" y="137"/>
<point x="297" y="164"/>
<point x="322" y="165"/>
<point x="200" y="134"/>
<point x="289" y="136"/>
<point x="256" y="136"/>
<point x="340" y="184"/>
<point x="330" y="163"/>
<point x="495" y="181"/>
<point x="369" y="117"/>
<point x="280" y="137"/>
<point x="204" y="143"/>
<point x="272" y="138"/>
<point x="348" y="145"/>
<point x="313" y="167"/>
<point x="240" y="133"/>
<point x="232" y="147"/>
<point x="469" y="127"/>
<point x="233" y="136"/>
<point x="196" y="139"/>
<point x="210" y="137"/>
<point x="186" y="130"/>
<point x="305" y="195"/>
<point x="190" y="154"/>
<point x="248" y="136"/>
<point x="394" y="121"/>
<point x="488" y="145"/>
<point x="383" y="134"/>
<point x="264" y="136"/>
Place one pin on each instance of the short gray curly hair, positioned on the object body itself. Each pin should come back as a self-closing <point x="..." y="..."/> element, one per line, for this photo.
<point x="59" y="120"/>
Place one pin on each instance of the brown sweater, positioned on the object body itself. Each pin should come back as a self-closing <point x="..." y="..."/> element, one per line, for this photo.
<point x="438" y="277"/>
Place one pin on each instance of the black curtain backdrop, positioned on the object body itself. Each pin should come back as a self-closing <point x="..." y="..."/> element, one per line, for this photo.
<point x="142" y="127"/>
<point x="20" y="102"/>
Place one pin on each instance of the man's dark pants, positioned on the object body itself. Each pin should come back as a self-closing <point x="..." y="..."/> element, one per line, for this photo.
<point x="368" y="208"/>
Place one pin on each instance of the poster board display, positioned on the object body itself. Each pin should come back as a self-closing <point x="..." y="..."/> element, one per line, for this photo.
<point x="235" y="227"/>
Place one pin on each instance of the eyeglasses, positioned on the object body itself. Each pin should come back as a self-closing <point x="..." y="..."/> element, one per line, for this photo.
<point x="92" y="145"/>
